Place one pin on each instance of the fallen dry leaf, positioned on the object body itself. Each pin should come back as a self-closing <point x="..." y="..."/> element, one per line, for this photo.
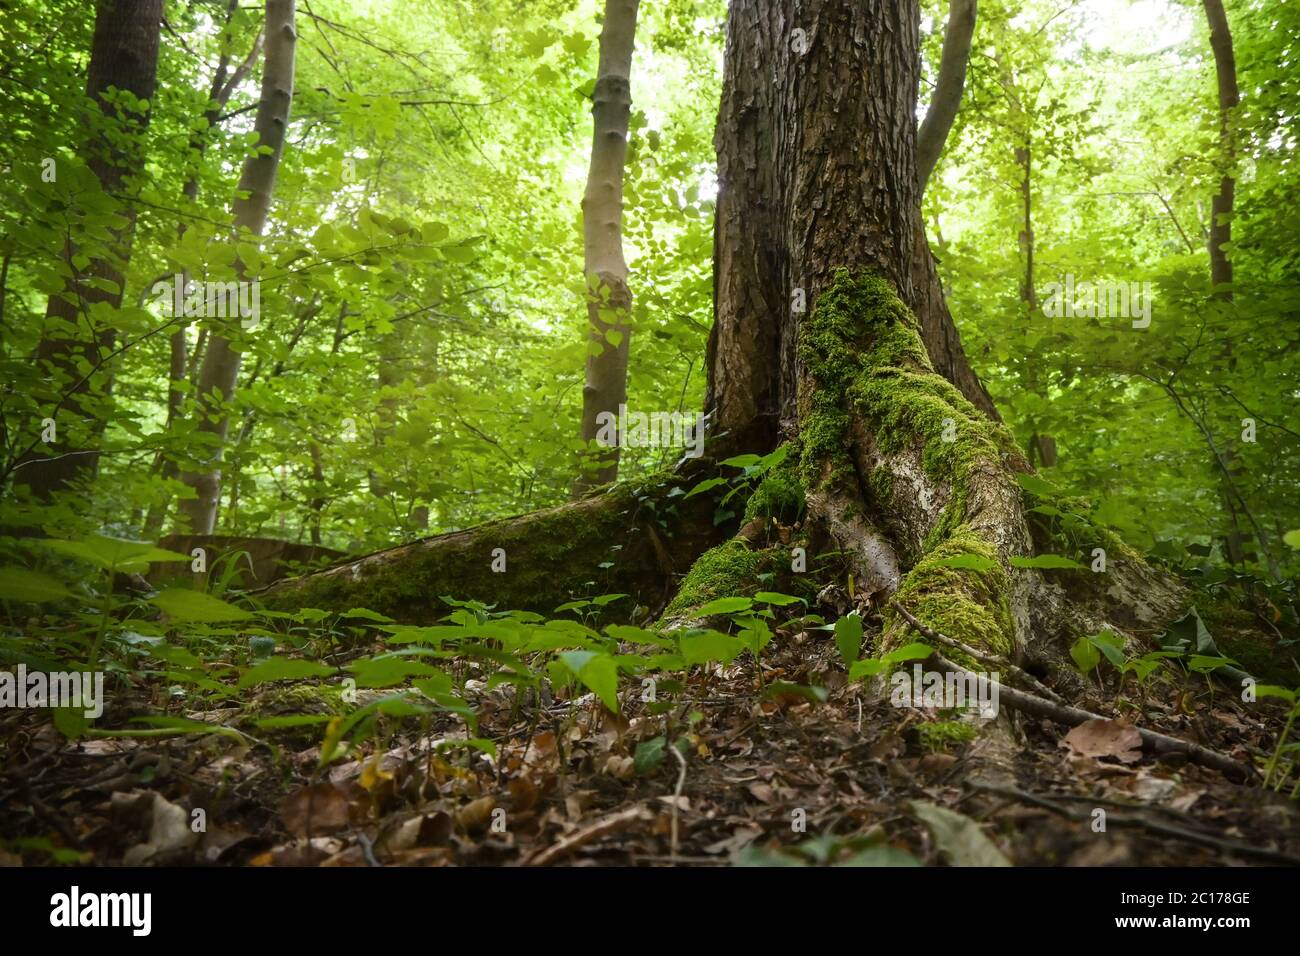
<point x="1106" y="738"/>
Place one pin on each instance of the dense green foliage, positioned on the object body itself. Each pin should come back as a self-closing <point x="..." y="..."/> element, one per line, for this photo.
<point x="421" y="283"/>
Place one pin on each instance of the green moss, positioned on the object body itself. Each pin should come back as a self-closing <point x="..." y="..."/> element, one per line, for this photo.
<point x="549" y="557"/>
<point x="966" y="604"/>
<point x="779" y="495"/>
<point x="728" y="570"/>
<point x="943" y="735"/>
<point x="863" y="349"/>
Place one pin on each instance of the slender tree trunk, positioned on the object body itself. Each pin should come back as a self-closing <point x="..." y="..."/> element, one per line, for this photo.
<point x="1225" y="67"/>
<point x="609" y="304"/>
<point x="221" y="361"/>
<point x="124" y="56"/>
<point x="948" y="88"/>
<point x="224" y="83"/>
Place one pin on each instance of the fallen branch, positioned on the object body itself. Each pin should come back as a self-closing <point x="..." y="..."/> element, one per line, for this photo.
<point x="677" y="795"/>
<point x="980" y="656"/>
<point x="1155" y="826"/>
<point x="1063" y="713"/>
<point x="575" y="841"/>
<point x="1028" y="703"/>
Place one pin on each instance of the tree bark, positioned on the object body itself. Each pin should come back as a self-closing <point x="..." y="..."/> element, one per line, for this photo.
<point x="819" y="207"/>
<point x="224" y="83"/>
<point x="948" y="88"/>
<point x="609" y="298"/>
<point x="1225" y="67"/>
<point x="221" y="361"/>
<point x="762" y="279"/>
<point x="124" y="56"/>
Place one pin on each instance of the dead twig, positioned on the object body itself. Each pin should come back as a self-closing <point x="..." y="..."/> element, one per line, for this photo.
<point x="677" y="794"/>
<point x="574" y="841"/>
<point x="1155" y="826"/>
<point x="980" y="656"/>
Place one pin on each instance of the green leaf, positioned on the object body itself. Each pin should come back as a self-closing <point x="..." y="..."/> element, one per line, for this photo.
<point x="1292" y="538"/>
<point x="1085" y="654"/>
<point x="20" y="584"/>
<point x="868" y="667"/>
<point x="710" y="646"/>
<point x="915" y="651"/>
<point x="390" y="670"/>
<point x="182" y="604"/>
<point x="365" y="614"/>
<point x="1111" y="645"/>
<point x="649" y="755"/>
<point x="966" y="562"/>
<point x="958" y="837"/>
<point x="1037" y="486"/>
<point x="113" y="553"/>
<point x="598" y="672"/>
<point x="848" y="637"/>
<point x="284" y="668"/>
<point x="777" y="598"/>
<point x="704" y="486"/>
<point x="726" y="605"/>
<point x="1046" y="562"/>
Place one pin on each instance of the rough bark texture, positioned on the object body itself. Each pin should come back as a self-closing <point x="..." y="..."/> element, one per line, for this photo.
<point x="124" y="56"/>
<point x="818" y="193"/>
<point x="817" y="110"/>
<point x="609" y="304"/>
<point x="256" y="184"/>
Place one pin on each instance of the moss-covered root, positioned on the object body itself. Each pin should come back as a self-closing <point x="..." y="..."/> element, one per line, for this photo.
<point x="612" y="542"/>
<point x="880" y="428"/>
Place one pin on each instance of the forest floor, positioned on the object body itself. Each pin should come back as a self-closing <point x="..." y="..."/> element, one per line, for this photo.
<point x="767" y="775"/>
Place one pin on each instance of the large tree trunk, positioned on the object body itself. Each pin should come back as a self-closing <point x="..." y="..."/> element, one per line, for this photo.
<point x="766" y="274"/>
<point x="818" y="207"/>
<point x="124" y="56"/>
<point x="609" y="298"/>
<point x="256" y="185"/>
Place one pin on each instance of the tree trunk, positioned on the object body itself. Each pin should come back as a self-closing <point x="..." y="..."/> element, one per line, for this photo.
<point x="817" y="225"/>
<point x="817" y="239"/>
<point x="609" y="302"/>
<point x="771" y="158"/>
<point x="124" y="56"/>
<point x="224" y="83"/>
<point x="256" y="184"/>
<point x="947" y="88"/>
<point x="1225" y="66"/>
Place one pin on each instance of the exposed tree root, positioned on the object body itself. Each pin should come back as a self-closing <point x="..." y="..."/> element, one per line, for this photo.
<point x="533" y="562"/>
